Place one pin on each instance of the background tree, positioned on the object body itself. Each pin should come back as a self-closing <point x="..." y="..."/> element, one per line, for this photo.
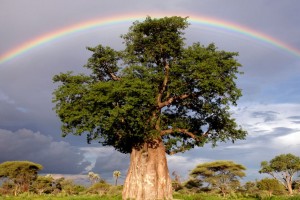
<point x="222" y="175"/>
<point x="296" y="185"/>
<point x="70" y="188"/>
<point x="43" y="184"/>
<point x="20" y="173"/>
<point x="93" y="177"/>
<point x="116" y="175"/>
<point x="67" y="186"/>
<point x="250" y="187"/>
<point x="176" y="183"/>
<point x="270" y="185"/>
<point x="100" y="188"/>
<point x="193" y="184"/>
<point x="283" y="168"/>
<point x="155" y="96"/>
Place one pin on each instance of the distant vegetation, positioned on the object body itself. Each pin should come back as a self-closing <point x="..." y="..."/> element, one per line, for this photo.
<point x="19" y="180"/>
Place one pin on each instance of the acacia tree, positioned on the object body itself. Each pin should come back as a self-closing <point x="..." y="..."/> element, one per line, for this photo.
<point x="43" y="184"/>
<point x="155" y="96"/>
<point x="283" y="168"/>
<point x="222" y="175"/>
<point x="20" y="173"/>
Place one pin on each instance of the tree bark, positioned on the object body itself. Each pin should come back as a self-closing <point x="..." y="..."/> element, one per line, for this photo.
<point x="148" y="175"/>
<point x="290" y="189"/>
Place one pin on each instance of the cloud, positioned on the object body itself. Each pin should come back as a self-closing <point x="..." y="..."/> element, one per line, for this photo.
<point x="182" y="164"/>
<point x="5" y="98"/>
<point x="81" y="179"/>
<point x="268" y="116"/>
<point x="105" y="160"/>
<point x="56" y="157"/>
<point x="289" y="140"/>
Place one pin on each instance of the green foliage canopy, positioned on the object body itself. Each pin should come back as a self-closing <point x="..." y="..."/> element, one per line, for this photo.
<point x="270" y="185"/>
<point x="43" y="184"/>
<point x="157" y="88"/>
<point x="223" y="175"/>
<point x="283" y="168"/>
<point x="19" y="170"/>
<point x="284" y="162"/>
<point x="20" y="173"/>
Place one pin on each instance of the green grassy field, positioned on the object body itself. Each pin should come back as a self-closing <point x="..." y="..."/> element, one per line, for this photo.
<point x="201" y="196"/>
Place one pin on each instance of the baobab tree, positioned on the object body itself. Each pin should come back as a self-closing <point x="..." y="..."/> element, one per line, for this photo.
<point x="156" y="96"/>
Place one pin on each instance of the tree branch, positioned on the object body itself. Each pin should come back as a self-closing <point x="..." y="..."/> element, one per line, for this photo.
<point x="108" y="71"/>
<point x="165" y="82"/>
<point x="114" y="77"/>
<point x="181" y="97"/>
<point x="170" y="100"/>
<point x="185" y="131"/>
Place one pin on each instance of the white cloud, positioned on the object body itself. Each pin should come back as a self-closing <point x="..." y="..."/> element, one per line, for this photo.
<point x="182" y="164"/>
<point x="288" y="140"/>
<point x="93" y="153"/>
<point x="261" y="119"/>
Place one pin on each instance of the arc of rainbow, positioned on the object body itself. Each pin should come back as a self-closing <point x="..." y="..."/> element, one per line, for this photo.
<point x="87" y="25"/>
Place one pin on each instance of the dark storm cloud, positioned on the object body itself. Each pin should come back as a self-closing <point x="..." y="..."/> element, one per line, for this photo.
<point x="109" y="161"/>
<point x="56" y="157"/>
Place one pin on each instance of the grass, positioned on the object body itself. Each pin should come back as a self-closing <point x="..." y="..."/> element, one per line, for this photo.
<point x="51" y="197"/>
<point x="177" y="196"/>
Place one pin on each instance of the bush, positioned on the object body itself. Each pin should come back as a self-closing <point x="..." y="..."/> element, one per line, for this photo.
<point x="272" y="186"/>
<point x="100" y="188"/>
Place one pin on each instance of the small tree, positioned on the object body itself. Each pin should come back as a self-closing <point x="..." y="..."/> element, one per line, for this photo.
<point x="176" y="183"/>
<point x="67" y="186"/>
<point x="269" y="185"/>
<point x="20" y="173"/>
<point x="251" y="187"/>
<point x="100" y="188"/>
<point x="193" y="184"/>
<point x="116" y="175"/>
<point x="222" y="175"/>
<point x="283" y="168"/>
<point x="43" y="184"/>
<point x="296" y="185"/>
<point x="93" y="177"/>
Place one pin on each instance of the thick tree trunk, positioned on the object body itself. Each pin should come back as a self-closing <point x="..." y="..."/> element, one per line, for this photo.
<point x="148" y="175"/>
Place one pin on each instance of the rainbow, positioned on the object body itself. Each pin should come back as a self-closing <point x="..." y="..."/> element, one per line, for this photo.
<point x="92" y="24"/>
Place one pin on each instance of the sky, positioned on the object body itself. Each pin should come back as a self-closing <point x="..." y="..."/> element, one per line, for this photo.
<point x="269" y="109"/>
